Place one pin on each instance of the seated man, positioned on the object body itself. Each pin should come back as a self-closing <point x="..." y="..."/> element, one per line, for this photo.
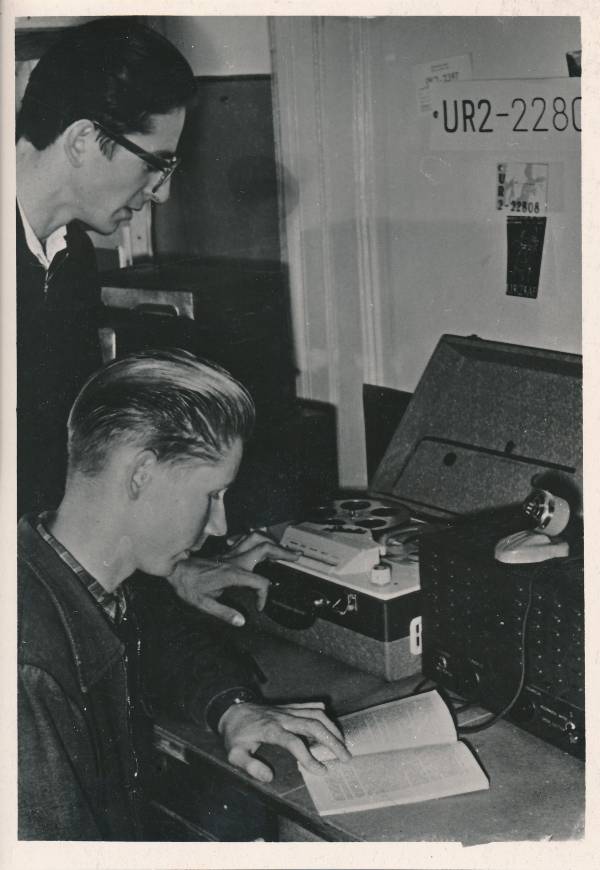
<point x="155" y="439"/>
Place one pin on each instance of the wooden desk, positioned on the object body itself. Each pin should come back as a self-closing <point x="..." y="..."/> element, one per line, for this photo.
<point x="536" y="791"/>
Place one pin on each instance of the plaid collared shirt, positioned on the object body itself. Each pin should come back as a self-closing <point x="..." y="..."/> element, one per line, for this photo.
<point x="114" y="604"/>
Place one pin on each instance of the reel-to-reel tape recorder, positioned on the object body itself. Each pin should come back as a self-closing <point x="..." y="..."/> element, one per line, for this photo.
<point x="372" y="543"/>
<point x="358" y="511"/>
<point x="354" y="590"/>
<point x="486" y="418"/>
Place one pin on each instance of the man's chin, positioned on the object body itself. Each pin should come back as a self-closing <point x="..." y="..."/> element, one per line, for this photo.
<point x="103" y="229"/>
<point x="120" y="218"/>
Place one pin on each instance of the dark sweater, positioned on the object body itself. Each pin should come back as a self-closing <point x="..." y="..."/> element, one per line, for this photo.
<point x="57" y="349"/>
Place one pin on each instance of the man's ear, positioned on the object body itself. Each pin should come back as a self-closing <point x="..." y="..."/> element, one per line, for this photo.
<point x="141" y="473"/>
<point x="78" y="140"/>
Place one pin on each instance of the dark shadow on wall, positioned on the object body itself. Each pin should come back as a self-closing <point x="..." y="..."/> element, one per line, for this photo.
<point x="224" y="197"/>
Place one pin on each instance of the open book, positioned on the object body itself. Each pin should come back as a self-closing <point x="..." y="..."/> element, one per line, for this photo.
<point x="403" y="752"/>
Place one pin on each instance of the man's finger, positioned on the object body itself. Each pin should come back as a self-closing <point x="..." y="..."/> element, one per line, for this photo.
<point x="320" y="716"/>
<point x="220" y="611"/>
<point x="284" y="732"/>
<point x="236" y="576"/>
<point x="200" y="584"/>
<point x="246" y="541"/>
<point x="317" y="731"/>
<point x="241" y="757"/>
<point x="304" y="705"/>
<point x="250" y="538"/>
<point x="250" y="557"/>
<point x="298" y="749"/>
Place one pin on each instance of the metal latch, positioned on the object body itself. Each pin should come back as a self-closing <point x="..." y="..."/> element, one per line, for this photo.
<point x="171" y="747"/>
<point x="416" y="636"/>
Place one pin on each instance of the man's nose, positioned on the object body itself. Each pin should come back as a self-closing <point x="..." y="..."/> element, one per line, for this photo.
<point x="158" y="195"/>
<point x="217" y="519"/>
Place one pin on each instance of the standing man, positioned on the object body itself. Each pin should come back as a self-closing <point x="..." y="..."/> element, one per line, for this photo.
<point x="154" y="442"/>
<point x="97" y="135"/>
<point x="96" y="139"/>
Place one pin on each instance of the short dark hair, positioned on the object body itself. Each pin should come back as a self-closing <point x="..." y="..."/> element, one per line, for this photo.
<point x="113" y="70"/>
<point x="168" y="401"/>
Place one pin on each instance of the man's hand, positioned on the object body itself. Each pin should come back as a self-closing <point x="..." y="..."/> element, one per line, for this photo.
<point x="245" y="726"/>
<point x="199" y="581"/>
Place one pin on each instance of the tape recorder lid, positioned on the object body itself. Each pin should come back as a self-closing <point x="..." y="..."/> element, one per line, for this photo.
<point x="485" y="419"/>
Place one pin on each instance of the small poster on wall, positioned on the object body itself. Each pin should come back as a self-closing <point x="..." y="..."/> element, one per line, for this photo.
<point x="522" y="188"/>
<point x="525" y="243"/>
<point x="447" y="69"/>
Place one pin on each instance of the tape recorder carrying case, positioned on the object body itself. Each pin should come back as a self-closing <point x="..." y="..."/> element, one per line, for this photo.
<point x="484" y="420"/>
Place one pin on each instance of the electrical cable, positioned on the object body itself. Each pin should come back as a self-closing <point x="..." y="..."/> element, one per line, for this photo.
<point x="472" y="729"/>
<point x="463" y="707"/>
<point x="419" y="687"/>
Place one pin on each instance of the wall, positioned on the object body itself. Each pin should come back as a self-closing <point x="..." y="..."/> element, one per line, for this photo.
<point x="443" y="243"/>
<point x="35" y="22"/>
<point x="220" y="45"/>
<point x="223" y="199"/>
<point x="392" y="244"/>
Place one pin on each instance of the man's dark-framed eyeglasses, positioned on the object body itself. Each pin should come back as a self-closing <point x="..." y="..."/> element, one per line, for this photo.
<point x="166" y="166"/>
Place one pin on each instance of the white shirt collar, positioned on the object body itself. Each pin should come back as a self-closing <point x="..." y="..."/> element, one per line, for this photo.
<point x="56" y="241"/>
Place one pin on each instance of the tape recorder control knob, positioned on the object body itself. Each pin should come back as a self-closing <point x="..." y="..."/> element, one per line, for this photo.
<point x="381" y="575"/>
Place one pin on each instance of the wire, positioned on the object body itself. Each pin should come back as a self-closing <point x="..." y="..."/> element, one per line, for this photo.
<point x="471" y="729"/>
<point x="463" y="707"/>
<point x="419" y="687"/>
<point x="454" y="699"/>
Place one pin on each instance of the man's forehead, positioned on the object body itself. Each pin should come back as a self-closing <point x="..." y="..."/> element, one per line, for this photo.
<point x="222" y="471"/>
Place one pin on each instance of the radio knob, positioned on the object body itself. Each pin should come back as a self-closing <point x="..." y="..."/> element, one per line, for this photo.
<point x="524" y="712"/>
<point x="381" y="575"/>
<point x="471" y="681"/>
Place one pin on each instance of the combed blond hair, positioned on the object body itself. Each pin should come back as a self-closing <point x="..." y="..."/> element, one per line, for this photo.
<point x="167" y="401"/>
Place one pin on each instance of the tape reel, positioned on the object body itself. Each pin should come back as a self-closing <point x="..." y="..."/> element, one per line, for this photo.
<point x="360" y="513"/>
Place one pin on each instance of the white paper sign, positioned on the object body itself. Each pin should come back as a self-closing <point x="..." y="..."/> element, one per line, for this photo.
<point x="448" y="69"/>
<point x="522" y="188"/>
<point x="506" y="115"/>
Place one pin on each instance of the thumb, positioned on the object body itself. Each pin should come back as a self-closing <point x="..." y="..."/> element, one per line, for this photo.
<point x="240" y="757"/>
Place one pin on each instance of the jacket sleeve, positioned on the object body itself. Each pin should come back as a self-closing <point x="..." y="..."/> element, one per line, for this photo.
<point x="55" y="753"/>
<point x="188" y="659"/>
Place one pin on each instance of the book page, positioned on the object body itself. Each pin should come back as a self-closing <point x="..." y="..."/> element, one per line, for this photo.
<point x="395" y="778"/>
<point x="418" y="720"/>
